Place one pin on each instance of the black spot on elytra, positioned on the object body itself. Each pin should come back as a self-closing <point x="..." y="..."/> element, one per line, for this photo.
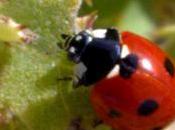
<point x="114" y="114"/>
<point x="169" y="66"/>
<point x="148" y="107"/>
<point x="128" y="65"/>
<point x="157" y="128"/>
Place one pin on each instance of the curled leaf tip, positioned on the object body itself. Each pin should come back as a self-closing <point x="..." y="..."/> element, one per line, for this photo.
<point x="86" y="22"/>
<point x="27" y="36"/>
<point x="11" y="31"/>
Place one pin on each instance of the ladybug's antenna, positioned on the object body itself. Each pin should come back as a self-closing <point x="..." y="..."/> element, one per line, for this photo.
<point x="67" y="38"/>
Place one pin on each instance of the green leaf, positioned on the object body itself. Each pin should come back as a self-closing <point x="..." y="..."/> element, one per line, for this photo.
<point x="31" y="95"/>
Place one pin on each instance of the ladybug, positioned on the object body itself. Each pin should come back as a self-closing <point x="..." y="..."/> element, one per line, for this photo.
<point x="133" y="80"/>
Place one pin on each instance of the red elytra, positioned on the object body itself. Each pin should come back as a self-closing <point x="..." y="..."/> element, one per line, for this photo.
<point x="146" y="100"/>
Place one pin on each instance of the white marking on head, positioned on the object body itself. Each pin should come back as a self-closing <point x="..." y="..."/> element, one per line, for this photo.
<point x="99" y="33"/>
<point x="90" y="39"/>
<point x="88" y="31"/>
<point x="72" y="49"/>
<point x="125" y="51"/>
<point x="78" y="37"/>
<point x="146" y="64"/>
<point x="114" y="71"/>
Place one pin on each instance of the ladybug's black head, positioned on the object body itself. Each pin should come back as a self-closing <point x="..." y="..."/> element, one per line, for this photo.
<point x="76" y="44"/>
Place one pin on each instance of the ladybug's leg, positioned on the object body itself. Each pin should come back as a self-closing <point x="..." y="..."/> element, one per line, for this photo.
<point x="77" y="82"/>
<point x="76" y="124"/>
<point x="86" y="79"/>
<point x="89" y="77"/>
<point x="96" y="122"/>
<point x="86" y="76"/>
<point x="128" y="65"/>
<point x="80" y="75"/>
